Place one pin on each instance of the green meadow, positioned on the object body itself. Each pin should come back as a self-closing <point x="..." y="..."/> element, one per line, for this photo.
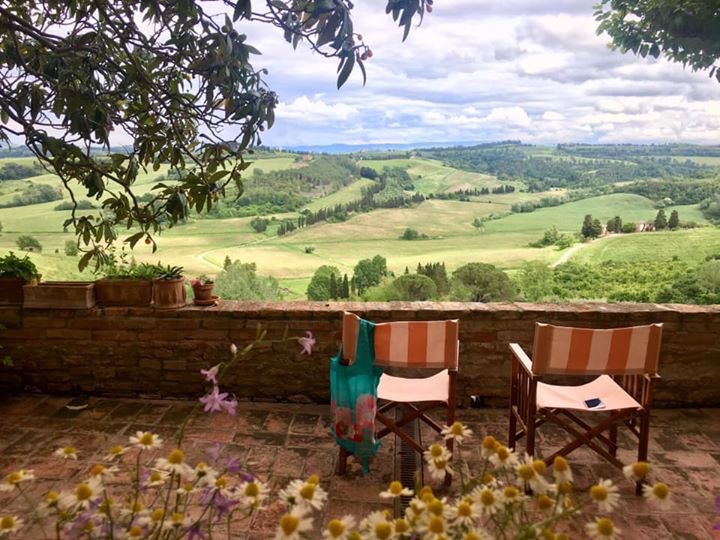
<point x="202" y="244"/>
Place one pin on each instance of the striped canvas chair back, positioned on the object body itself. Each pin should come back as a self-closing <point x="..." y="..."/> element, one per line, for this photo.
<point x="615" y="351"/>
<point x="418" y="344"/>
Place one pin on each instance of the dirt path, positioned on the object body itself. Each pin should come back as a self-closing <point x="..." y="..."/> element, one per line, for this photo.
<point x="565" y="257"/>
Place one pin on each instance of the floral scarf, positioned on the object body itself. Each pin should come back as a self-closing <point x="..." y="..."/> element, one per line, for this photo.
<point x="353" y="398"/>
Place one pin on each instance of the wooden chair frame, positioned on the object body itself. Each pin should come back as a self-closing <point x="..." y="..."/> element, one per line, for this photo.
<point x="525" y="417"/>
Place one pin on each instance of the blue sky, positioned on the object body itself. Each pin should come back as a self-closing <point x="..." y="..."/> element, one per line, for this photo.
<point x="479" y="70"/>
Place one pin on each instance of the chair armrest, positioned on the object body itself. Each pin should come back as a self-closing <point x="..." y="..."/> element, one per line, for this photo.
<point x="522" y="358"/>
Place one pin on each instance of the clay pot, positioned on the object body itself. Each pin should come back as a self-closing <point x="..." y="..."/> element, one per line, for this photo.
<point x="60" y="294"/>
<point x="123" y="292"/>
<point x="169" y="293"/>
<point x="203" y="293"/>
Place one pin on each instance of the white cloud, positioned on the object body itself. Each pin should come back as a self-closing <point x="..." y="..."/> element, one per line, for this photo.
<point x="512" y="116"/>
<point x="553" y="116"/>
<point x="303" y="107"/>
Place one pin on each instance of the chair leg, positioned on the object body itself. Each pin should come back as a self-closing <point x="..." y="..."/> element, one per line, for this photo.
<point x="643" y="437"/>
<point x="512" y="429"/>
<point x="612" y="435"/>
<point x="530" y="434"/>
<point x="342" y="462"/>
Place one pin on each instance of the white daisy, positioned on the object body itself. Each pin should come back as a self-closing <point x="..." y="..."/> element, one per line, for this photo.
<point x="102" y="472"/>
<point x="304" y="493"/>
<point x="458" y="432"/>
<point x="9" y="525"/>
<point x="437" y="451"/>
<point x="439" y="468"/>
<point x="14" y="478"/>
<point x="203" y="475"/>
<point x="252" y="494"/>
<point x="561" y="470"/>
<point x="294" y="524"/>
<point x="115" y="452"/>
<point x="658" y="493"/>
<point x="156" y="478"/>
<point x="377" y="526"/>
<point x="637" y="471"/>
<point x="511" y="495"/>
<point x="174" y="463"/>
<point x="487" y="500"/>
<point x="84" y="494"/>
<point x="606" y="495"/>
<point x="338" y="529"/>
<point x="464" y="513"/>
<point x="489" y="446"/>
<point x="503" y="458"/>
<point x="603" y="529"/>
<point x="395" y="489"/>
<point x="146" y="440"/>
<point x="68" y="452"/>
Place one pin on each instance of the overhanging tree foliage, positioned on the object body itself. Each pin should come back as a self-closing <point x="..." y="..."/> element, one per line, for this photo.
<point x="175" y="76"/>
<point x="686" y="31"/>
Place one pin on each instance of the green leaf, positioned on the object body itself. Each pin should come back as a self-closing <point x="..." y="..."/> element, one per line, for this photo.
<point x="346" y="70"/>
<point x="84" y="260"/>
<point x="242" y="9"/>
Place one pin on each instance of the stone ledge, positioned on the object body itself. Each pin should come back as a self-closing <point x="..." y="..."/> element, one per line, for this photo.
<point x="143" y="351"/>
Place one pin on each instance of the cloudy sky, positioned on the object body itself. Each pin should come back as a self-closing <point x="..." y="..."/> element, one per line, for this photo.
<point x="486" y="70"/>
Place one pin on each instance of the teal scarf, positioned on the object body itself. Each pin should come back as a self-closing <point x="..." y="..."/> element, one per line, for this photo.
<point x="353" y="398"/>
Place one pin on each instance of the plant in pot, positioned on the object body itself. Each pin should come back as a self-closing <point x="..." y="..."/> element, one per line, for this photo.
<point x="202" y="290"/>
<point x="14" y="273"/>
<point x="169" y="287"/>
<point x="125" y="284"/>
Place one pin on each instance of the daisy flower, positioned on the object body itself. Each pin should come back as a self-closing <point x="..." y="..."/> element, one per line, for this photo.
<point x="304" y="493"/>
<point x="395" y="489"/>
<point x="338" y="529"/>
<point x="415" y="509"/>
<point x="252" y="494"/>
<point x="637" y="471"/>
<point x="68" y="452"/>
<point x="146" y="440"/>
<point x="439" y="468"/>
<point x="464" y="514"/>
<point x="293" y="524"/>
<point x="15" y="477"/>
<point x="477" y="534"/>
<point x="605" y="494"/>
<point x="51" y="501"/>
<point x="561" y="470"/>
<point x="487" y="500"/>
<point x="402" y="528"/>
<point x="377" y="526"/>
<point x="436" y="451"/>
<point x="489" y="446"/>
<point x="155" y="479"/>
<point x="530" y="475"/>
<point x="435" y="528"/>
<point x="511" y="495"/>
<point x="458" y="432"/>
<point x="176" y="521"/>
<point x="188" y="488"/>
<point x="658" y="493"/>
<point x="602" y="529"/>
<point x="174" y="463"/>
<point x="102" y="472"/>
<point x="116" y="452"/>
<point x="84" y="495"/>
<point x="9" y="525"/>
<point x="503" y="458"/>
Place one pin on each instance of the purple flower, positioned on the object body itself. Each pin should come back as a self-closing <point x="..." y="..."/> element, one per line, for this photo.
<point x="215" y="400"/>
<point x="196" y="534"/>
<point x="247" y="477"/>
<point x="233" y="465"/>
<point x="223" y="505"/>
<point x="230" y="406"/>
<point x="211" y="374"/>
<point x="307" y="343"/>
<point x="214" y="452"/>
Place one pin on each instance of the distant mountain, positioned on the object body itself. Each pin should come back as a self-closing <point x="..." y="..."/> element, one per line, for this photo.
<point x="351" y="148"/>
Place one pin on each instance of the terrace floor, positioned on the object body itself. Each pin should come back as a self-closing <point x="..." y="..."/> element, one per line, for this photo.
<point x="279" y="442"/>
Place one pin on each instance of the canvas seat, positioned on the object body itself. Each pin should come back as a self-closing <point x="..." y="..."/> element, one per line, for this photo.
<point x="409" y="345"/>
<point x="625" y="361"/>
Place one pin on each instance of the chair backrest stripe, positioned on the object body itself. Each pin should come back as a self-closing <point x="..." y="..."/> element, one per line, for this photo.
<point x="561" y="349"/>
<point x="431" y="344"/>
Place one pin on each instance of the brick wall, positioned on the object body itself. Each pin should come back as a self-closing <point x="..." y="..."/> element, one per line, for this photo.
<point x="128" y="351"/>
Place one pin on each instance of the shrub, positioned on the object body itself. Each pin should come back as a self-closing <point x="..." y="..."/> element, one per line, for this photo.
<point x="324" y="284"/>
<point x="414" y="287"/>
<point x="28" y="243"/>
<point x="12" y="266"/>
<point x="71" y="249"/>
<point x="35" y="194"/>
<point x="480" y="282"/>
<point x="81" y="205"/>
<point x="628" y="227"/>
<point x="239" y="281"/>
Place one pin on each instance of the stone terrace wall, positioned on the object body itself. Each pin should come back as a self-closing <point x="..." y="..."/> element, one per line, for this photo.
<point x="122" y="351"/>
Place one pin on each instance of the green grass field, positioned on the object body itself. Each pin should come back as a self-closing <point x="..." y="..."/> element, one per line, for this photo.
<point x="202" y="245"/>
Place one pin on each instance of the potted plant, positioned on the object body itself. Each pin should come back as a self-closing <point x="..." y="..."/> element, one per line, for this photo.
<point x="202" y="290"/>
<point x="169" y="287"/>
<point x="125" y="285"/>
<point x="14" y="273"/>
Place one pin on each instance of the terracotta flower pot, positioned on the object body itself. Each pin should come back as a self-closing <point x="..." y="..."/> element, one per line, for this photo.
<point x="169" y="293"/>
<point x="60" y="294"/>
<point x="203" y="293"/>
<point x="123" y="292"/>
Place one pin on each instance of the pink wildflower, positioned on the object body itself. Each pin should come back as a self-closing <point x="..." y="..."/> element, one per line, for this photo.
<point x="216" y="401"/>
<point x="307" y="343"/>
<point x="211" y="374"/>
